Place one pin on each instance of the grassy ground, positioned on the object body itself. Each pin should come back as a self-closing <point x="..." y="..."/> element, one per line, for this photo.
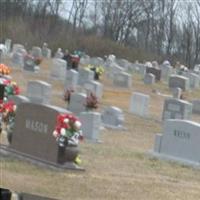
<point x="118" y="168"/>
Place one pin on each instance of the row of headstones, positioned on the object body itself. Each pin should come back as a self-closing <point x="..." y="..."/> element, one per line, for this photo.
<point x="174" y="108"/>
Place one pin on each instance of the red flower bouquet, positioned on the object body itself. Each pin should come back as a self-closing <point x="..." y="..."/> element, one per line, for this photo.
<point x="68" y="130"/>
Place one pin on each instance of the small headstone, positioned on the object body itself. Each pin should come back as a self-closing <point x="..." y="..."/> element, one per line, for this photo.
<point x="155" y="71"/>
<point x="59" y="69"/>
<point x="17" y="47"/>
<point x="77" y="102"/>
<point x="179" y="81"/>
<point x="85" y="75"/>
<point x="39" y="92"/>
<point x="149" y="79"/>
<point x="179" y="142"/>
<point x="91" y="123"/>
<point x="196" y="106"/>
<point x="29" y="64"/>
<point x="18" y="59"/>
<point x="177" y="93"/>
<point x="71" y="80"/>
<point x="139" y="104"/>
<point x="18" y="99"/>
<point x="36" y="52"/>
<point x="46" y="52"/>
<point x="8" y="45"/>
<point x="166" y="72"/>
<point x="194" y="80"/>
<point x="176" y="109"/>
<point x="59" y="54"/>
<point x="122" y="79"/>
<point x="94" y="87"/>
<point x="113" y="117"/>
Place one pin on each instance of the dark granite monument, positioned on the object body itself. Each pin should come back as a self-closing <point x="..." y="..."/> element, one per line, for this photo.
<point x="32" y="137"/>
<point x="154" y="71"/>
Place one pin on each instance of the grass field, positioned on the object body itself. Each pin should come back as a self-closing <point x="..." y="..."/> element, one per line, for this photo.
<point x="117" y="168"/>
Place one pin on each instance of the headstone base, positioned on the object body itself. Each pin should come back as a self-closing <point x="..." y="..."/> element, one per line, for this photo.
<point x="173" y="159"/>
<point x="11" y="153"/>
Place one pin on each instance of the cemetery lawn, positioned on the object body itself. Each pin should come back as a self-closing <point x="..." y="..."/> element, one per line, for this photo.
<point x="117" y="168"/>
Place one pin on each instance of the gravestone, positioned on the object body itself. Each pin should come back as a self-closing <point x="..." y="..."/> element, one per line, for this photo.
<point x="94" y="87"/>
<point x="77" y="103"/>
<point x="155" y="71"/>
<point x="139" y="104"/>
<point x="91" y="122"/>
<point x="113" y="117"/>
<point x="196" y="106"/>
<point x="36" y="52"/>
<point x="46" y="52"/>
<point x="179" y="81"/>
<point x="177" y="93"/>
<point x="194" y="80"/>
<point x="85" y="75"/>
<point x="166" y="72"/>
<point x="18" y="99"/>
<point x="59" y="69"/>
<point x="29" y="64"/>
<point x="179" y="142"/>
<point x="176" y="109"/>
<point x="149" y="79"/>
<point x="8" y="45"/>
<point x="17" y="47"/>
<point x="18" y="59"/>
<point x="71" y="80"/>
<point x="122" y="79"/>
<point x="59" y="54"/>
<point x="113" y="69"/>
<point x="39" y="92"/>
<point x="32" y="137"/>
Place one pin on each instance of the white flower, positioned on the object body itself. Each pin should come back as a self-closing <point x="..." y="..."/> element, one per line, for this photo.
<point x="62" y="132"/>
<point x="55" y="133"/>
<point x="77" y="124"/>
<point x="66" y="121"/>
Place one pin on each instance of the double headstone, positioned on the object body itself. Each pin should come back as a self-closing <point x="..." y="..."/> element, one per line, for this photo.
<point x="122" y="79"/>
<point x="113" y="117"/>
<point x="176" y="109"/>
<point x="18" y="99"/>
<point x="179" y="142"/>
<point x="139" y="104"/>
<point x="32" y="137"/>
<point x="179" y="81"/>
<point x="155" y="71"/>
<point x="39" y="92"/>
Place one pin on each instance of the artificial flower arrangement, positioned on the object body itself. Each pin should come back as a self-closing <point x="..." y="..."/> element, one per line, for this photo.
<point x="98" y="71"/>
<point x="67" y="94"/>
<point x="4" y="69"/>
<point x="68" y="132"/>
<point x="91" y="101"/>
<point x="8" y="112"/>
<point x="36" y="60"/>
<point x="11" y="88"/>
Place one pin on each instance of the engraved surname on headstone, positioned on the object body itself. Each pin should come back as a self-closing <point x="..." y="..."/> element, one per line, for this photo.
<point x="36" y="126"/>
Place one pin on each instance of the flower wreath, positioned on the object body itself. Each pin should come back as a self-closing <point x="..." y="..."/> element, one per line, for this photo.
<point x="69" y="128"/>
